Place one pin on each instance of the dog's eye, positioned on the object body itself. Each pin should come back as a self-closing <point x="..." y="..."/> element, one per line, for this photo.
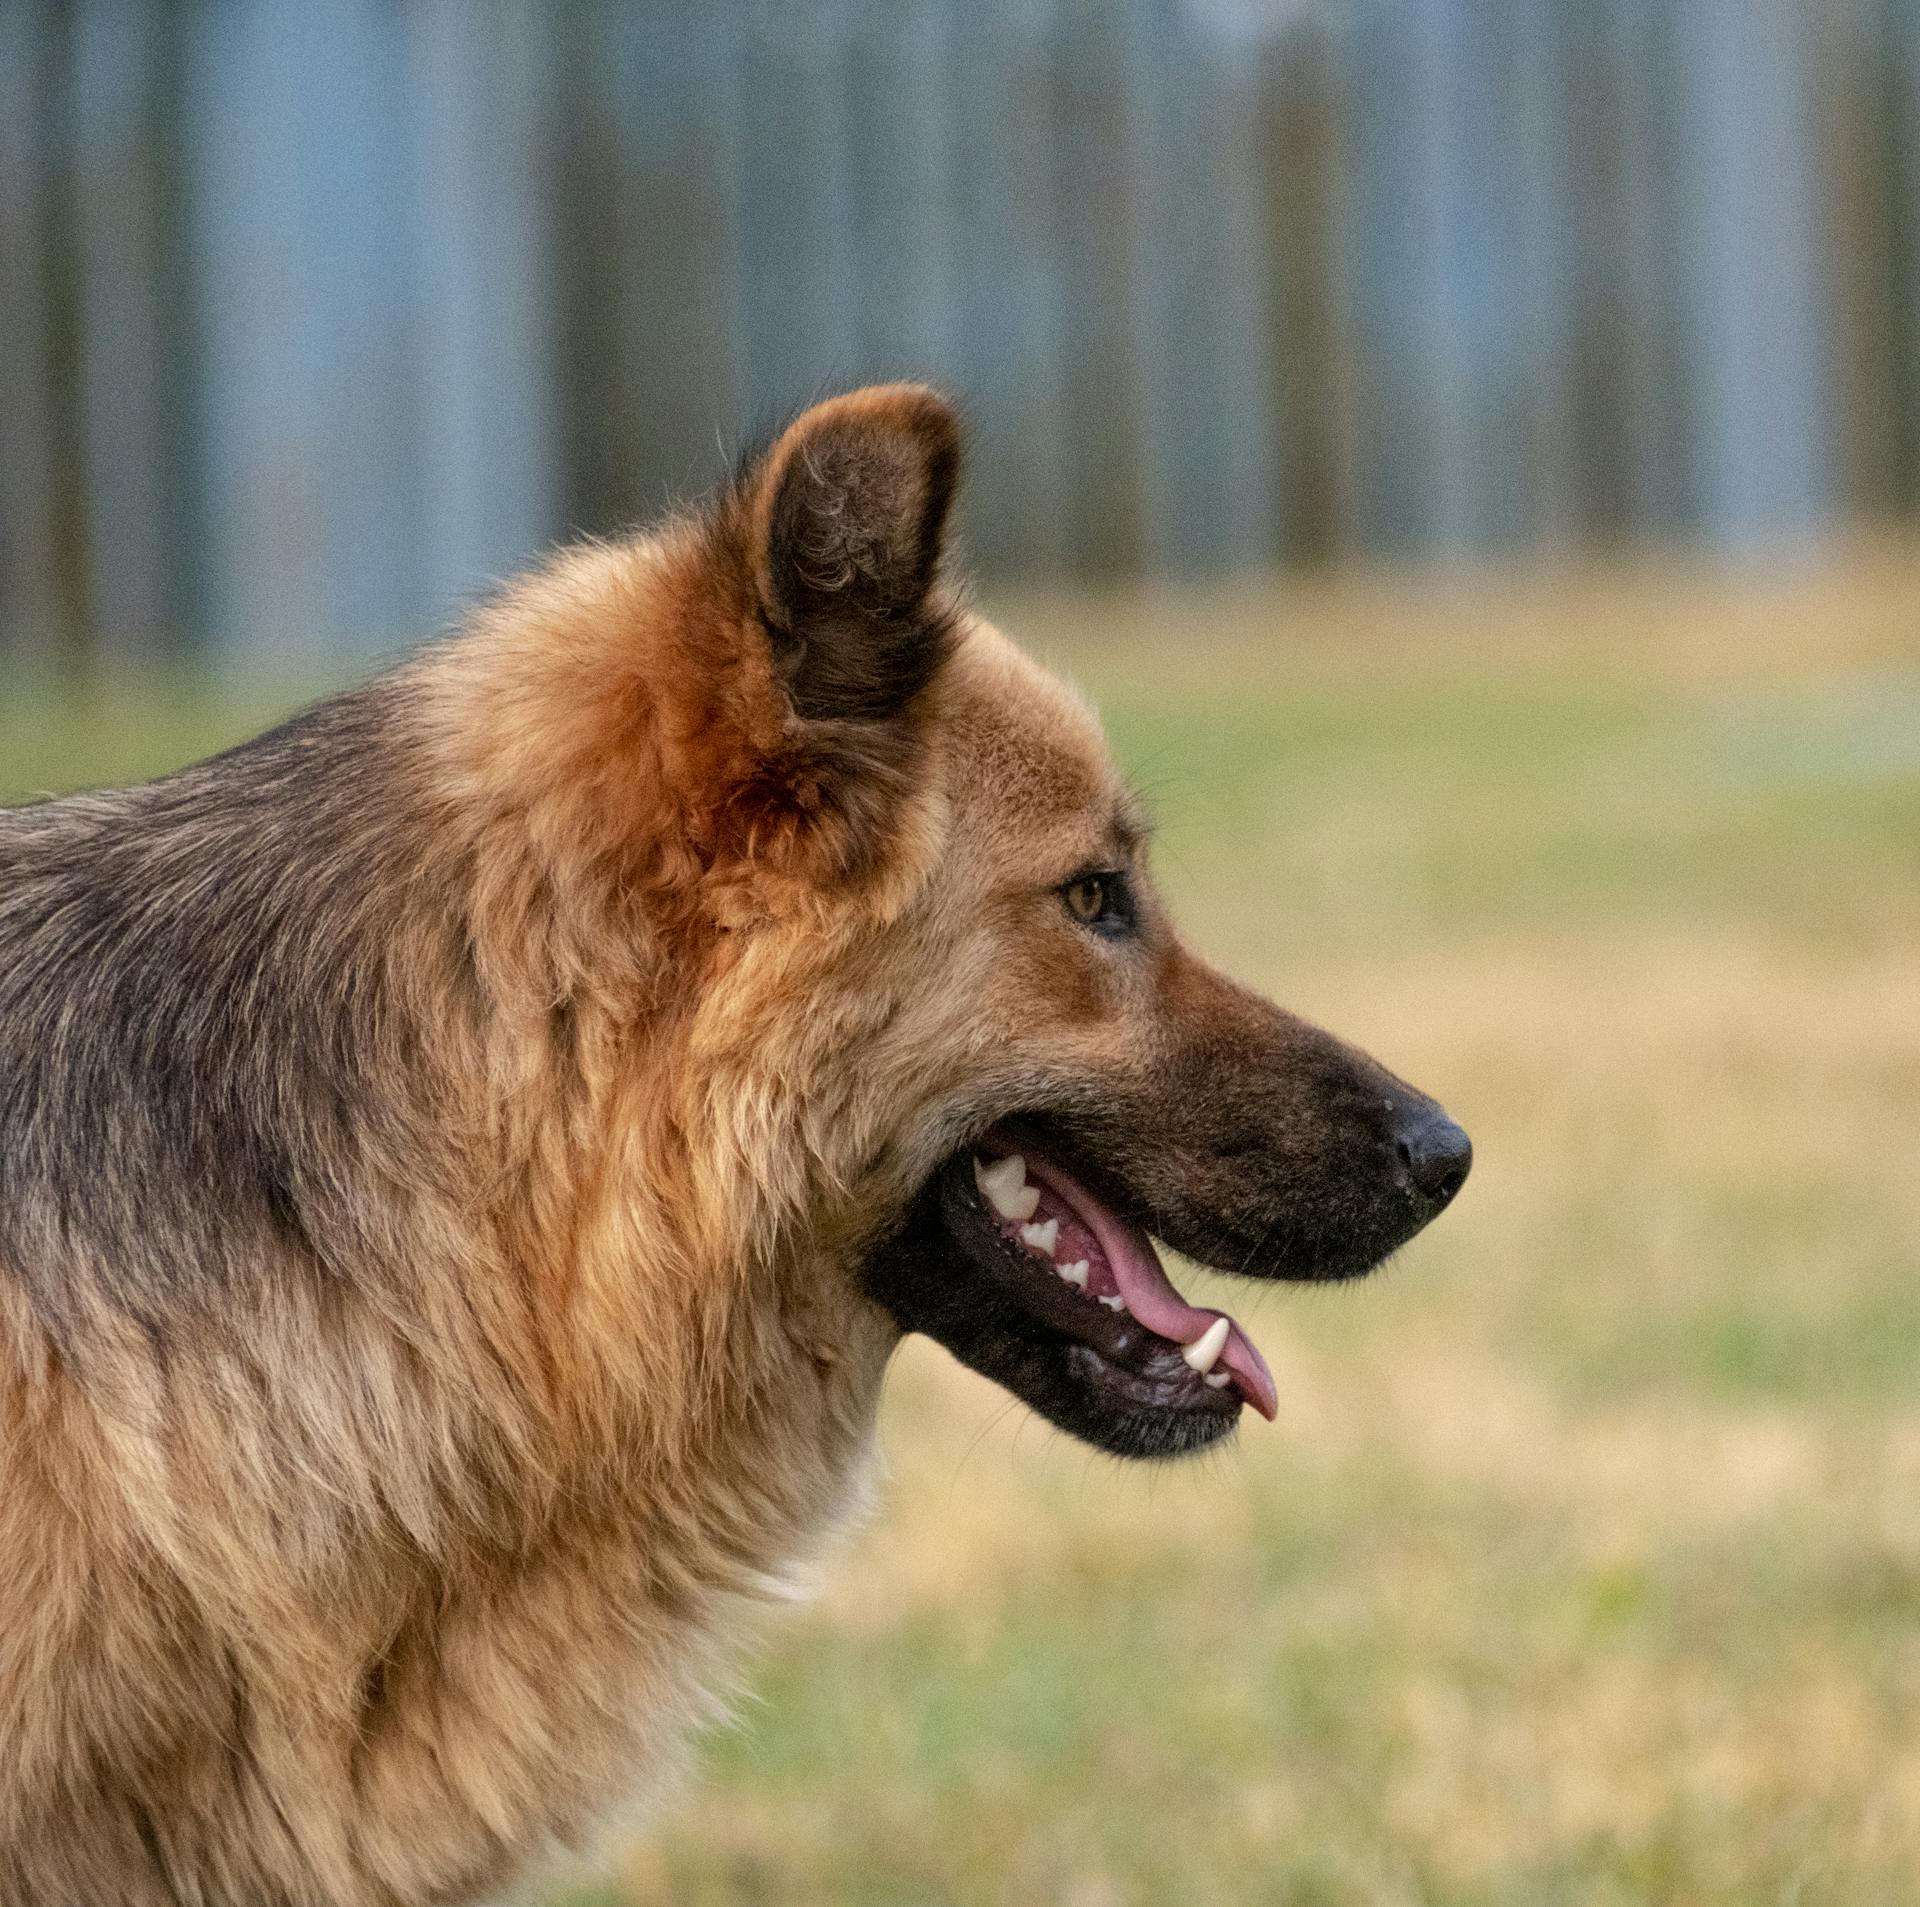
<point x="1100" y="901"/>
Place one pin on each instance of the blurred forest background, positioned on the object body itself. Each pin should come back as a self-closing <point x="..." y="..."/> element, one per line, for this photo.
<point x="1471" y="450"/>
<point x="316" y="315"/>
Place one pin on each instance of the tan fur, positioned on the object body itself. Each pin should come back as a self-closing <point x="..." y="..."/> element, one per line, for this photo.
<point x="368" y="1594"/>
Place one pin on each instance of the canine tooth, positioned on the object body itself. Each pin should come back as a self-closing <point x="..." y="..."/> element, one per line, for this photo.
<point x="1113" y="1301"/>
<point x="1042" y="1238"/>
<point x="1075" y="1273"/>
<point x="1204" y="1352"/>
<point x="1217" y="1380"/>
<point x="1003" y="1184"/>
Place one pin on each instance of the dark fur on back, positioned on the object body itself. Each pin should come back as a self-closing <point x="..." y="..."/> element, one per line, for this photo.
<point x="243" y="1042"/>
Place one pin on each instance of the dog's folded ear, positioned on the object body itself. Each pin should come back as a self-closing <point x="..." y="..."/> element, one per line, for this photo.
<point x="746" y="697"/>
<point x="844" y="517"/>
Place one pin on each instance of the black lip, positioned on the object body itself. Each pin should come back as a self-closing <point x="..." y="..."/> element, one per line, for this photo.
<point x="952" y="1273"/>
<point x="1135" y="1361"/>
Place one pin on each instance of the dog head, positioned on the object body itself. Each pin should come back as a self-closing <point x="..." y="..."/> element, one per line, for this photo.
<point x="945" y="1032"/>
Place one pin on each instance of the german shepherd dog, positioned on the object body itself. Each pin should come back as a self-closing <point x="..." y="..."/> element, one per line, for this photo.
<point x="467" y="1156"/>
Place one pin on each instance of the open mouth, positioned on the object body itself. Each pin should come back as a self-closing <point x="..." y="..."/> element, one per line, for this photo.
<point x="1104" y="1282"/>
<point x="1027" y="1255"/>
<point x="1026" y="1251"/>
<point x="1012" y="1260"/>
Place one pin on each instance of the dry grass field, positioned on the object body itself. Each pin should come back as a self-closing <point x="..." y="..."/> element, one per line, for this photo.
<point x="1583" y="1565"/>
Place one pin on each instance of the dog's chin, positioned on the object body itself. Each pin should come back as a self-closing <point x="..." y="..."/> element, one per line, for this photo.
<point x="1029" y="1277"/>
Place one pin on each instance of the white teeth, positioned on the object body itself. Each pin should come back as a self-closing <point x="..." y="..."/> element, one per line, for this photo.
<point x="1217" y="1380"/>
<point x="1041" y="1238"/>
<point x="1114" y="1302"/>
<point x="1003" y="1184"/>
<point x="1204" y="1352"/>
<point x="1075" y="1273"/>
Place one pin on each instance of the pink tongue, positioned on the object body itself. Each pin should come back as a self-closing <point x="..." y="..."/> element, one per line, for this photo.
<point x="1149" y="1291"/>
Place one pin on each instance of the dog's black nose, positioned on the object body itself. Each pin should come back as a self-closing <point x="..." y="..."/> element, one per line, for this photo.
<point x="1436" y="1153"/>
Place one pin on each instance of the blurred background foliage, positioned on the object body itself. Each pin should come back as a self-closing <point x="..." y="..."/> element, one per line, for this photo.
<point x="1470" y="448"/>
<point x="315" y="315"/>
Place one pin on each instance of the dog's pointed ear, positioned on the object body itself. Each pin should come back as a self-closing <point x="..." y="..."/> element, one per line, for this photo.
<point x="845" y="520"/>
